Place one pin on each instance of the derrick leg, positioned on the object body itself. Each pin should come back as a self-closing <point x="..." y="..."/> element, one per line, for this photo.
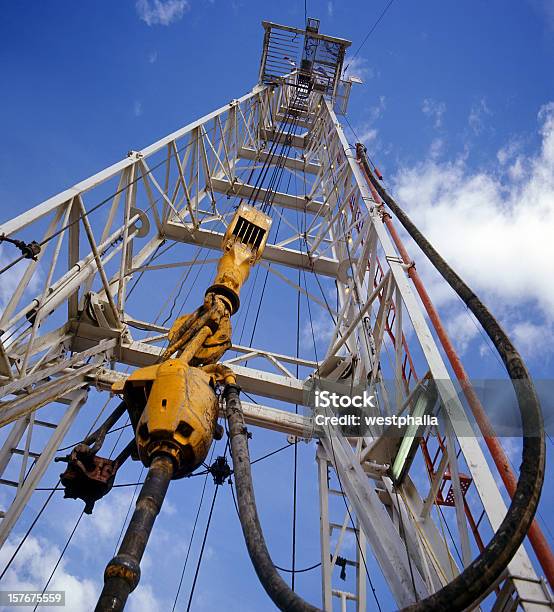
<point x="122" y="573"/>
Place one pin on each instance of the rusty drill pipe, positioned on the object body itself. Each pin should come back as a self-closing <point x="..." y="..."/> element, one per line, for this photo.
<point x="122" y="573"/>
<point x="277" y="589"/>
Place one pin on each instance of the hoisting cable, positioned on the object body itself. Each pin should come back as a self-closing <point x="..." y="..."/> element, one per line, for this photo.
<point x="257" y="187"/>
<point x="374" y="592"/>
<point x="262" y="294"/>
<point x="277" y="141"/>
<point x="297" y="353"/>
<point x="202" y="548"/>
<point x="32" y="249"/>
<point x="28" y="532"/>
<point x="330" y="436"/>
<point x="477" y="578"/>
<point x="192" y="535"/>
<point x="295" y="461"/>
<point x="275" y="181"/>
<point x="219" y="479"/>
<point x="371" y="30"/>
<point x="60" y="557"/>
<point x="280" y="166"/>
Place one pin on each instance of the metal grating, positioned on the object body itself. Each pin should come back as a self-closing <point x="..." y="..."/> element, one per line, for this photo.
<point x="317" y="59"/>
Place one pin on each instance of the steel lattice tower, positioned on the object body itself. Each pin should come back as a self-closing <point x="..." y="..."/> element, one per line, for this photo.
<point x="73" y="328"/>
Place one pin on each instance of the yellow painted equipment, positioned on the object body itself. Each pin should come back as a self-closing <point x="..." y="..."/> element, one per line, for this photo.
<point x="243" y="245"/>
<point x="214" y="346"/>
<point x="173" y="405"/>
<point x="179" y="416"/>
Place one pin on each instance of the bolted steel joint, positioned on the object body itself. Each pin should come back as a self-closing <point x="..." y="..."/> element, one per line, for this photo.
<point x="124" y="567"/>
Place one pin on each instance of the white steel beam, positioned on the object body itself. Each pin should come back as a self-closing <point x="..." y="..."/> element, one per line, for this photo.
<point x="37" y="471"/>
<point x="278" y="198"/>
<point x="51" y="204"/>
<point x="298" y="140"/>
<point x="406" y="583"/>
<point x="291" y="163"/>
<point x="268" y="417"/>
<point x="290" y="258"/>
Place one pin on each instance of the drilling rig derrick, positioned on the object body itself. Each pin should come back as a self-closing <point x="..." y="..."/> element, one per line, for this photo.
<point x="270" y="182"/>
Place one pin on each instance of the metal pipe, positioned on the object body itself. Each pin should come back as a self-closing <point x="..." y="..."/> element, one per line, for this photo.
<point x="122" y="573"/>
<point x="488" y="566"/>
<point x="277" y="589"/>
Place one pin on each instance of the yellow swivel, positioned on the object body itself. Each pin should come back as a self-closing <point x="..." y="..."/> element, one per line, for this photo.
<point x="180" y="414"/>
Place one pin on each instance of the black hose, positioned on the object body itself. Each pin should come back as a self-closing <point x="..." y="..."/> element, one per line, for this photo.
<point x="277" y="589"/>
<point x="484" y="571"/>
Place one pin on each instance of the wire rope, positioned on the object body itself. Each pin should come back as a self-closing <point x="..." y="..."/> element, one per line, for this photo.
<point x="371" y="30"/>
<point x="106" y="200"/>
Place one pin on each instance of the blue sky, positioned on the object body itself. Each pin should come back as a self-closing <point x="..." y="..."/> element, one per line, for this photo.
<point x="456" y="110"/>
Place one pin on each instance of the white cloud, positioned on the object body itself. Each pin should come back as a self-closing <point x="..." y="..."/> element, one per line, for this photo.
<point x="330" y="9"/>
<point x="357" y="67"/>
<point x="436" y="148"/>
<point x="31" y="569"/>
<point x="367" y="134"/>
<point x="479" y="111"/>
<point x="377" y="110"/>
<point x="434" y="110"/>
<point x="512" y="447"/>
<point x="144" y="599"/>
<point x="161" y="12"/>
<point x="508" y="152"/>
<point x="462" y="330"/>
<point x="366" y="131"/>
<point x="169" y="508"/>
<point x="323" y="328"/>
<point x="512" y="160"/>
<point x="496" y="228"/>
<point x="152" y="57"/>
<point x="137" y="108"/>
<point x="34" y="563"/>
<point x="530" y="338"/>
<point x="104" y="524"/>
